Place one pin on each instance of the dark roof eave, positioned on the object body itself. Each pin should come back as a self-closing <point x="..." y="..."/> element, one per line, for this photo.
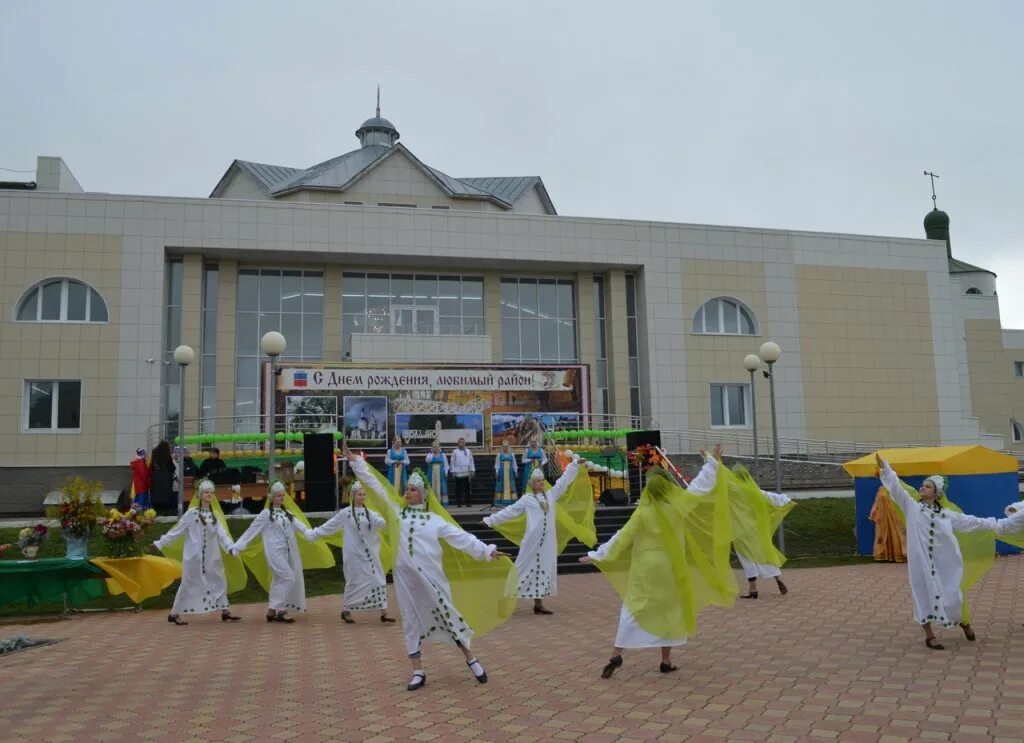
<point x="17" y="185"/>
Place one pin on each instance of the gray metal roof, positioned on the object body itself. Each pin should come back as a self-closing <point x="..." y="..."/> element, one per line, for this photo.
<point x="510" y="189"/>
<point x="267" y="176"/>
<point x="959" y="266"/>
<point x="337" y="172"/>
<point x="377" y="123"/>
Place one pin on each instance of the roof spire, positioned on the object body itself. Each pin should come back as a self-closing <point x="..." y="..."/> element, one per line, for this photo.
<point x="931" y="175"/>
<point x="378" y="110"/>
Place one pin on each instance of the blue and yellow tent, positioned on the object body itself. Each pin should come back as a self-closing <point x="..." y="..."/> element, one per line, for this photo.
<point x="981" y="481"/>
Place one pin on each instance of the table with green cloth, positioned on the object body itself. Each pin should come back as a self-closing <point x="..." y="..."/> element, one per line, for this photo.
<point x="50" y="581"/>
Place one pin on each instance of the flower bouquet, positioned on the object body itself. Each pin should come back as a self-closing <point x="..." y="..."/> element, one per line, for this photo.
<point x="123" y="532"/>
<point x="30" y="538"/>
<point x="79" y="507"/>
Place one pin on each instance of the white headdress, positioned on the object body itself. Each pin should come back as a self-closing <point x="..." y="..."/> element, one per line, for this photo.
<point x="537" y="474"/>
<point x="355" y="487"/>
<point x="278" y="487"/>
<point x="938" y="481"/>
<point x="206" y="485"/>
<point x="417" y="482"/>
<point x="1012" y="509"/>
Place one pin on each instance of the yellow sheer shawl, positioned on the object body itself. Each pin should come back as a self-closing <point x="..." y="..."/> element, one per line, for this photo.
<point x="754" y="519"/>
<point x="483" y="591"/>
<point x="234" y="571"/>
<point x="574" y="515"/>
<point x="671" y="559"/>
<point x="312" y="554"/>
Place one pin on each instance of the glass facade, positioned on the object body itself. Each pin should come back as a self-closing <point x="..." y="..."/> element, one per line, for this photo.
<point x="288" y="301"/>
<point x="170" y="402"/>
<point x="415" y="304"/>
<point x="633" y="347"/>
<point x="538" y="320"/>
<point x="600" y="403"/>
<point x="208" y="395"/>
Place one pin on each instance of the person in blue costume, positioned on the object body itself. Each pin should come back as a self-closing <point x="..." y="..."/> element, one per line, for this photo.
<point x="533" y="458"/>
<point x="437" y="472"/>
<point x="397" y="460"/>
<point x="505" y="472"/>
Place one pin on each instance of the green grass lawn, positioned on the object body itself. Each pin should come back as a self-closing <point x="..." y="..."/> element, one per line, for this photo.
<point x="819" y="533"/>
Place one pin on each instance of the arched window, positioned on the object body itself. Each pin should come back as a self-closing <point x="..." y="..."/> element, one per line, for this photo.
<point x="62" y="300"/>
<point x="723" y="316"/>
<point x="973" y="290"/>
<point x="1016" y="431"/>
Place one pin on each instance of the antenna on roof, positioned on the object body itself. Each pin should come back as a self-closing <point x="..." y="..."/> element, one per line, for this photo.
<point x="378" y="101"/>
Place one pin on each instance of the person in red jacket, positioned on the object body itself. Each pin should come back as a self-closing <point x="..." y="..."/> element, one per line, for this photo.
<point x="141" y="479"/>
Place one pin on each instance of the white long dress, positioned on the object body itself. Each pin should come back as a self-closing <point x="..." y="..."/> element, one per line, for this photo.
<point x="424" y="594"/>
<point x="204" y="587"/>
<point x="753" y="569"/>
<point x="934" y="563"/>
<point x="365" y="584"/>
<point x="287" y="585"/>
<point x="537" y="561"/>
<point x="629" y="633"/>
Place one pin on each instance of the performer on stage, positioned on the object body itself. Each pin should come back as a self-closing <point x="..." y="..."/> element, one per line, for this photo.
<point x="207" y="575"/>
<point x="505" y="472"/>
<point x="536" y="522"/>
<point x="278" y="550"/>
<point x="431" y="568"/>
<point x="437" y="472"/>
<point x="755" y="516"/>
<point x="534" y="458"/>
<point x="668" y="562"/>
<point x="397" y="460"/>
<point x="947" y="551"/>
<point x="364" y="562"/>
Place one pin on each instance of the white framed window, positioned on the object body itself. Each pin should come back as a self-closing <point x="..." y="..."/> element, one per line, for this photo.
<point x="730" y="405"/>
<point x="61" y="300"/>
<point x="538" y="320"/>
<point x="52" y="406"/>
<point x="1016" y="431"/>
<point x="724" y="316"/>
<point x="412" y="320"/>
<point x="1018" y="368"/>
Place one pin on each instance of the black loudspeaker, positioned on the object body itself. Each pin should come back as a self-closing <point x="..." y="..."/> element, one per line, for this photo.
<point x="614" y="497"/>
<point x="636" y="439"/>
<point x="321" y="481"/>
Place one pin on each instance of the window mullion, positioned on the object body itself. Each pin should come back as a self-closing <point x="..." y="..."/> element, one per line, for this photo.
<point x="54" y="404"/>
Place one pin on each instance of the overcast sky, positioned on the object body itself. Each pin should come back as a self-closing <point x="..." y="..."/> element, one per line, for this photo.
<point x="801" y="115"/>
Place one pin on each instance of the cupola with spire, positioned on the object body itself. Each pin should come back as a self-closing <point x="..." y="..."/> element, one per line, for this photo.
<point x="377" y="131"/>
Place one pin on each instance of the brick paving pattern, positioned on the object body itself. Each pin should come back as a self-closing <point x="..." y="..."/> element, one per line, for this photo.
<point x="838" y="659"/>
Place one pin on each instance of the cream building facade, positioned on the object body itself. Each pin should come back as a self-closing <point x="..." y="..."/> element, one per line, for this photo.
<point x="885" y="340"/>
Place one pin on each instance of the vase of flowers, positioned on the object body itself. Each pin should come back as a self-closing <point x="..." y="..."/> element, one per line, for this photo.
<point x="79" y="507"/>
<point x="123" y="532"/>
<point x="30" y="538"/>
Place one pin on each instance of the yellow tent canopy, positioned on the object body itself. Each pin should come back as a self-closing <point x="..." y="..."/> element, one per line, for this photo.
<point x="936" y="460"/>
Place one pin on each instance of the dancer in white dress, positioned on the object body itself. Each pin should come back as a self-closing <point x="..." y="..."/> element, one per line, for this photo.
<point x="423" y="589"/>
<point x="935" y="564"/>
<point x="366" y="587"/>
<point x="537" y="561"/>
<point x="204" y="586"/>
<point x="652" y="563"/>
<point x="278" y="529"/>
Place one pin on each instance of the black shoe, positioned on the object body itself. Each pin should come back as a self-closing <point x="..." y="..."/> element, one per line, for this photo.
<point x="930" y="642"/>
<point x="541" y="610"/>
<point x="668" y="668"/>
<point x="751" y="595"/>
<point x="175" y="619"/>
<point x="968" y="632"/>
<point x="612" y="667"/>
<point x="782" y="587"/>
<point x="419" y="680"/>
<point x="482" y="678"/>
<point x="227" y="616"/>
<point x="346" y="617"/>
<point x="386" y="619"/>
<point x="282" y="618"/>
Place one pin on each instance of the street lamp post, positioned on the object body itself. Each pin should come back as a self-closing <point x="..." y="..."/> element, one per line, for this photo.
<point x="769" y="353"/>
<point x="183" y="356"/>
<point x="752" y="362"/>
<point x="273" y="345"/>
